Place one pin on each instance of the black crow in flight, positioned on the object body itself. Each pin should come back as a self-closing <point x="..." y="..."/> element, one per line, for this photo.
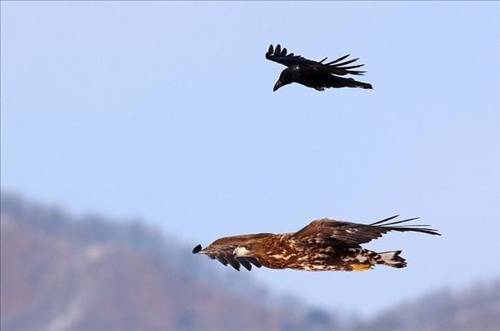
<point x="315" y="74"/>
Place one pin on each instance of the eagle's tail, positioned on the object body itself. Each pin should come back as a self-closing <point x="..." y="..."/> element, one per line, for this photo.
<point x="391" y="259"/>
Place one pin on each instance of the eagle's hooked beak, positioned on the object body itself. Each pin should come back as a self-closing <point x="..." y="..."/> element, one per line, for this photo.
<point x="277" y="85"/>
<point x="197" y="249"/>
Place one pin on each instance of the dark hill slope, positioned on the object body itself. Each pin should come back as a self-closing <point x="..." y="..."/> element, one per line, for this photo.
<point x="88" y="274"/>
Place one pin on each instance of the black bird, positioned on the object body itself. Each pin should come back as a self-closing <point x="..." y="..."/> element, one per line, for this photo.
<point x="315" y="74"/>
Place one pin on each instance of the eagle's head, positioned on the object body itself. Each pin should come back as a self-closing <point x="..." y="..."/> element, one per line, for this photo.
<point x="196" y="249"/>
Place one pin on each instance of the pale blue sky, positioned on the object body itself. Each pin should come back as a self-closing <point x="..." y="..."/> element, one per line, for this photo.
<point x="165" y="111"/>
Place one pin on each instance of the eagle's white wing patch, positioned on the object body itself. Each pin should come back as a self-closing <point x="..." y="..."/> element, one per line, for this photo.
<point x="240" y="251"/>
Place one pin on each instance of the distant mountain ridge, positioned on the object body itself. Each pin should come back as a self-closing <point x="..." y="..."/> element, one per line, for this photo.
<point x="471" y="309"/>
<point x="88" y="273"/>
<point x="133" y="234"/>
<point x="59" y="272"/>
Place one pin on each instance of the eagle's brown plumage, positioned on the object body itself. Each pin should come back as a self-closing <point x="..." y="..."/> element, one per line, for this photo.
<point x="320" y="246"/>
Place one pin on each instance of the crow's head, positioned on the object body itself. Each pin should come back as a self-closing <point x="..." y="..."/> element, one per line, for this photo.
<point x="287" y="76"/>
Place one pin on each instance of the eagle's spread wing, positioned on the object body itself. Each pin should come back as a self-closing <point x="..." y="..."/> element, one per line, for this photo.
<point x="225" y="256"/>
<point x="222" y="250"/>
<point x="347" y="234"/>
<point x="336" y="67"/>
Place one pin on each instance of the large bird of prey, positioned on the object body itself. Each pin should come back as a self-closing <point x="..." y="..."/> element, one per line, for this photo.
<point x="323" y="245"/>
<point x="315" y="74"/>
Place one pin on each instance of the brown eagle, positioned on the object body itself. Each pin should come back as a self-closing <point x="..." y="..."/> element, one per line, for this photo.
<point x="323" y="245"/>
<point x="315" y="74"/>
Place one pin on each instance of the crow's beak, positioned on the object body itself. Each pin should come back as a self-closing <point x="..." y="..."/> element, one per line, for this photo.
<point x="197" y="249"/>
<point x="277" y="85"/>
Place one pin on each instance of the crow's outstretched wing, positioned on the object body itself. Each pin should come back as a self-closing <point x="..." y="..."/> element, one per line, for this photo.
<point x="335" y="67"/>
<point x="347" y="234"/>
<point x="280" y="55"/>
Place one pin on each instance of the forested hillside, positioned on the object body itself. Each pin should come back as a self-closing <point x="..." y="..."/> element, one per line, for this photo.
<point x="59" y="272"/>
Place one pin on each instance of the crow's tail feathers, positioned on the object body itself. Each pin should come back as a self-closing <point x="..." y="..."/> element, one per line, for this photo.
<point x="336" y="81"/>
<point x="354" y="83"/>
